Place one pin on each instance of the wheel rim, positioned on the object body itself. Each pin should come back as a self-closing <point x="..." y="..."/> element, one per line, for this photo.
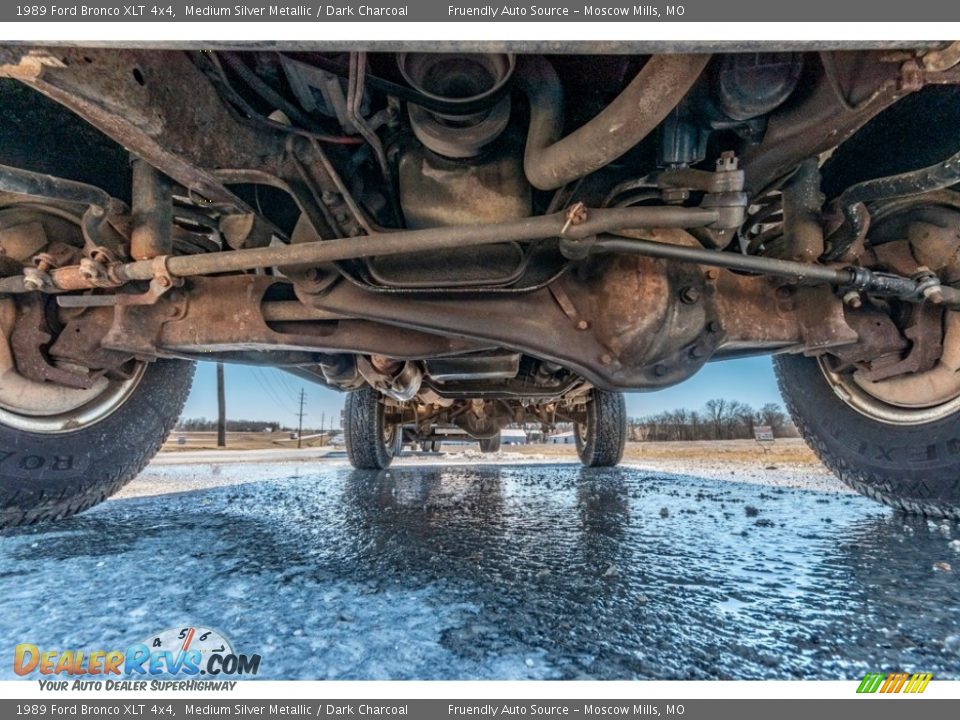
<point x="857" y="397"/>
<point x="43" y="407"/>
<point x="912" y="398"/>
<point x="88" y="409"/>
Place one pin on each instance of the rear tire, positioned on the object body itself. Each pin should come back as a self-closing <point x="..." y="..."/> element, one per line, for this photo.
<point x="371" y="444"/>
<point x="915" y="468"/>
<point x="602" y="439"/>
<point x="490" y="445"/>
<point x="52" y="475"/>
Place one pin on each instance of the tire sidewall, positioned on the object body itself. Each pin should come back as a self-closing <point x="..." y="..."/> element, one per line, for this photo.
<point x="917" y="464"/>
<point x="53" y="475"/>
<point x="604" y="436"/>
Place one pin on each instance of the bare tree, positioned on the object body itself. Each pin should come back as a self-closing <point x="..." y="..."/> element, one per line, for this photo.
<point x="720" y="419"/>
<point x="772" y="414"/>
<point x="716" y="411"/>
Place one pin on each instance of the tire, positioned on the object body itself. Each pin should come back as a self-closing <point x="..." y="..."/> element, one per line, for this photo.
<point x="915" y="468"/>
<point x="435" y="446"/>
<point x="602" y="439"/>
<point x="371" y="445"/>
<point x="52" y="476"/>
<point x="490" y="445"/>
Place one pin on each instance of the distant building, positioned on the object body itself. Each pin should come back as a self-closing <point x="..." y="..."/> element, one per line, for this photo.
<point x="513" y="436"/>
<point x="565" y="438"/>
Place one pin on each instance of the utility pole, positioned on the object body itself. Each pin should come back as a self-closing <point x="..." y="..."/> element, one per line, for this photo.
<point x="303" y="394"/>
<point x="323" y="422"/>
<point x="221" y="408"/>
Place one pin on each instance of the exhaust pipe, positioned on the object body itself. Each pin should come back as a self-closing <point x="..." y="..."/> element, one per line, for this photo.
<point x="550" y="162"/>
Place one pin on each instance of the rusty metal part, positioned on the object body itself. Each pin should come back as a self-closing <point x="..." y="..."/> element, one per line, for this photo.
<point x="31" y="335"/>
<point x="935" y="243"/>
<point x="400" y="381"/>
<point x="916" y="182"/>
<point x="390" y="243"/>
<point x="136" y="97"/>
<point x="225" y="315"/>
<point x="576" y="215"/>
<point x="925" y="335"/>
<point x="823" y="119"/>
<point x="474" y="117"/>
<point x="245" y="230"/>
<point x="436" y="191"/>
<point x="292" y="311"/>
<point x="550" y="162"/>
<point x="355" y="88"/>
<point x="99" y="275"/>
<point x="754" y="316"/>
<point x="101" y="239"/>
<point x="906" y="399"/>
<point x="57" y="254"/>
<point x="483" y="418"/>
<point x="46" y="407"/>
<point x="651" y="340"/>
<point x="802" y="221"/>
<point x="22" y="241"/>
<point x="728" y="177"/>
<point x="941" y="59"/>
<point x="152" y="232"/>
<point x="880" y="343"/>
<point x="484" y="366"/>
<point x="853" y="277"/>
<point x="79" y="342"/>
<point x="627" y="301"/>
<point x="37" y="185"/>
<point x="579" y="240"/>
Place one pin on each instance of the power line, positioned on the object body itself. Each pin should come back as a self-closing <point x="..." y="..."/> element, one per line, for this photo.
<point x="287" y="383"/>
<point x="266" y="385"/>
<point x="278" y="391"/>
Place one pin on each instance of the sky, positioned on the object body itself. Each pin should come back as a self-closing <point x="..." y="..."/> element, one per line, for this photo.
<point x="255" y="393"/>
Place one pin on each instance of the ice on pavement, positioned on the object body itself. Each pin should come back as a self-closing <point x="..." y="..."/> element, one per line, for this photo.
<point x="526" y="570"/>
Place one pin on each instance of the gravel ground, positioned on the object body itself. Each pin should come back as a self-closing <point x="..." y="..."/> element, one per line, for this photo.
<point x="446" y="567"/>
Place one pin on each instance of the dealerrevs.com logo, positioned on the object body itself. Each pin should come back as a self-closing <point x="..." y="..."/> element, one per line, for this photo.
<point x="190" y="652"/>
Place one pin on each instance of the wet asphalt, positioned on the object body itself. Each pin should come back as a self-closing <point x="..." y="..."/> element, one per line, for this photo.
<point x="501" y="572"/>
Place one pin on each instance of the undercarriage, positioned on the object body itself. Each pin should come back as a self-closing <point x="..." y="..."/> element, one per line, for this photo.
<point x="476" y="239"/>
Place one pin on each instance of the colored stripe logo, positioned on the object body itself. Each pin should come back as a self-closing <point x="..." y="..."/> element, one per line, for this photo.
<point x="894" y="683"/>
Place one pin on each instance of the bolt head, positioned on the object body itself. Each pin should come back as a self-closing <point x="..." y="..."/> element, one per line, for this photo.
<point x="583" y="325"/>
<point x="934" y="295"/>
<point x="34" y="282"/>
<point x="853" y="299"/>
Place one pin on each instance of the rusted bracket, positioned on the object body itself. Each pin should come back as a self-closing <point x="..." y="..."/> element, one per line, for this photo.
<point x="29" y="338"/>
<point x="156" y="104"/>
